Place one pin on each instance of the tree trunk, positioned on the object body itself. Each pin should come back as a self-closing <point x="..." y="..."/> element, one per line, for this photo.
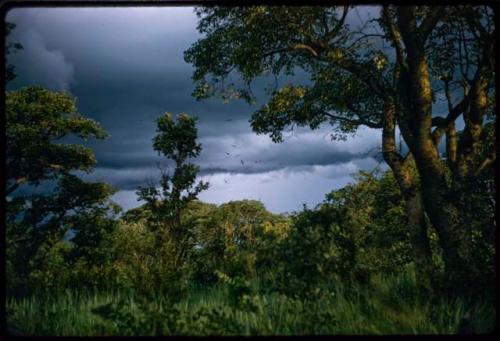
<point x="412" y="196"/>
<point x="438" y="203"/>
<point x="415" y="95"/>
<point x="445" y="217"/>
<point x="422" y="255"/>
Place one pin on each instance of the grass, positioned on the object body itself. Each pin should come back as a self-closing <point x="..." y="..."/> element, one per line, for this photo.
<point x="388" y="306"/>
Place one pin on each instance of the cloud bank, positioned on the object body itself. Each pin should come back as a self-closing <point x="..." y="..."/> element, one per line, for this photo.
<point x="125" y="67"/>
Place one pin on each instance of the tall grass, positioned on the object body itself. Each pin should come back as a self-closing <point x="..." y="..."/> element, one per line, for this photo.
<point x="389" y="305"/>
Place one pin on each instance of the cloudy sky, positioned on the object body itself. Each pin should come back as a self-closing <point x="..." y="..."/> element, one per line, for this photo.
<point x="125" y="66"/>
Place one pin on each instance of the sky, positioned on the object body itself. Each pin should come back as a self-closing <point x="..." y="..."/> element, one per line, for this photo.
<point x="125" y="66"/>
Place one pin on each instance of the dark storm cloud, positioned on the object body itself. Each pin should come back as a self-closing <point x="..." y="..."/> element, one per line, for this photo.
<point x="126" y="68"/>
<point x="124" y="60"/>
<point x="238" y="154"/>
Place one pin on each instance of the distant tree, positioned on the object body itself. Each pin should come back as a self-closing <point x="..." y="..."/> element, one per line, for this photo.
<point x="177" y="141"/>
<point x="237" y="238"/>
<point x="10" y="47"/>
<point x="137" y="250"/>
<point x="357" y="81"/>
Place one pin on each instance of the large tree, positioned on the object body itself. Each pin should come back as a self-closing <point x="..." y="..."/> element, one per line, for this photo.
<point x="355" y="80"/>
<point x="37" y="121"/>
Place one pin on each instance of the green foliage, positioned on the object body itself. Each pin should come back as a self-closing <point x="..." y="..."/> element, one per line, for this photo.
<point x="145" y="318"/>
<point x="37" y="255"/>
<point x="35" y="120"/>
<point x="176" y="141"/>
<point x="245" y="41"/>
<point x="476" y="198"/>
<point x="238" y="238"/>
<point x="35" y="236"/>
<point x="356" y="232"/>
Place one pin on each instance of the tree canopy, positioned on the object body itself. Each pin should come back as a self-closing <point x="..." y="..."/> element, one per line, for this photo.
<point x="37" y="120"/>
<point x="435" y="53"/>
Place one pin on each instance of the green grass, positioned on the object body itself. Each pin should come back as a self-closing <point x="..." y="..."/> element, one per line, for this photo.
<point x="389" y="306"/>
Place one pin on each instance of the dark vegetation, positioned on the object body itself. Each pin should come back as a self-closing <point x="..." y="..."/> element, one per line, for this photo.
<point x="408" y="250"/>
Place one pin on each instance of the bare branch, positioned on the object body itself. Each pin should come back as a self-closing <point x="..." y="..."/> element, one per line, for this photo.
<point x="442" y="123"/>
<point x="308" y="48"/>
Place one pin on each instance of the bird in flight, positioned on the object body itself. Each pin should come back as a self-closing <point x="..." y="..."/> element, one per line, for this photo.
<point x="227" y="153"/>
<point x="229" y="120"/>
<point x="242" y="162"/>
<point x="225" y="180"/>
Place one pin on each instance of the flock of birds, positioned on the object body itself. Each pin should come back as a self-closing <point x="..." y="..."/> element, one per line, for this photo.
<point x="229" y="154"/>
<point x="241" y="161"/>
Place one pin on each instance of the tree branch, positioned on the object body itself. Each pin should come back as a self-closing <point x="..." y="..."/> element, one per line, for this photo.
<point x="430" y="21"/>
<point x="394" y="34"/>
<point x="353" y="121"/>
<point x="487" y="162"/>
<point x="442" y="123"/>
<point x="406" y="23"/>
<point x="365" y="36"/>
<point x="305" y="47"/>
<point x="397" y="163"/>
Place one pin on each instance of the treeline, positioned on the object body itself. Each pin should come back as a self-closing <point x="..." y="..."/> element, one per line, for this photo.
<point x="358" y="231"/>
<point x="73" y="236"/>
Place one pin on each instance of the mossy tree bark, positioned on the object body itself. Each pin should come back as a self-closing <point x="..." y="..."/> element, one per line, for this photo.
<point x="412" y="195"/>
<point x="437" y="178"/>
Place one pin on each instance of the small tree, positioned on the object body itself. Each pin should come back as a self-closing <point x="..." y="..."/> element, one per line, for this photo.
<point x="176" y="141"/>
